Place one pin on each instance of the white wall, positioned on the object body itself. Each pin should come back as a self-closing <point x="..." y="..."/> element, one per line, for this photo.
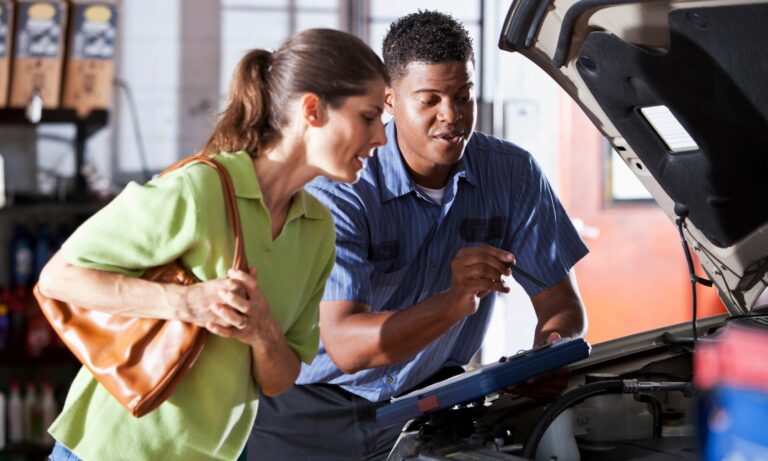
<point x="527" y="114"/>
<point x="150" y="50"/>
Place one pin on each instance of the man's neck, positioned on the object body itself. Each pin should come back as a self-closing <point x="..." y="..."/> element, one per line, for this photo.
<point x="436" y="178"/>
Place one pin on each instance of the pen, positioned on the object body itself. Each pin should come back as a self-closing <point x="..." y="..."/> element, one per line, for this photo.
<point x="527" y="275"/>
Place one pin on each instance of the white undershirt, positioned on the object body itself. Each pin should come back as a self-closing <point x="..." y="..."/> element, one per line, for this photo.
<point x="435" y="194"/>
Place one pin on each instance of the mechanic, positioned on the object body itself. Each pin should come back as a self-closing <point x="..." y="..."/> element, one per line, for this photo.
<point x="423" y="240"/>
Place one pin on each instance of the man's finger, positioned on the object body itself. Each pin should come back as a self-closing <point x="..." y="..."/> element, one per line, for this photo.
<point x="554" y="336"/>
<point x="494" y="252"/>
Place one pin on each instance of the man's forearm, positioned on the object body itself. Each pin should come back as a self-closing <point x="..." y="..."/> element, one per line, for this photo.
<point x="560" y="310"/>
<point x="368" y="340"/>
<point x="569" y="322"/>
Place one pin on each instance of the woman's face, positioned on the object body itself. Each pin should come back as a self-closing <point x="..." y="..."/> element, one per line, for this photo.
<point x="338" y="148"/>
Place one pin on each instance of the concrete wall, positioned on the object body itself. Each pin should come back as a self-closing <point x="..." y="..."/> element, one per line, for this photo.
<point x="170" y="62"/>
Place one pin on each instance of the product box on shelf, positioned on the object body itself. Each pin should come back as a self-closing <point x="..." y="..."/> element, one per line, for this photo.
<point x="89" y="67"/>
<point x="6" y="28"/>
<point x="38" y="52"/>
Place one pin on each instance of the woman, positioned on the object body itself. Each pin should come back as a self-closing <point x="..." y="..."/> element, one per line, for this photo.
<point x="310" y="108"/>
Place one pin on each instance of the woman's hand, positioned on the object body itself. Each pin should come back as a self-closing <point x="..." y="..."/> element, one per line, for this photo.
<point x="200" y="298"/>
<point x="245" y="315"/>
<point x="243" y="312"/>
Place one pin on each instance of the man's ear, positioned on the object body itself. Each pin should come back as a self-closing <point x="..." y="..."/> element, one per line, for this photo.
<point x="313" y="110"/>
<point x="389" y="100"/>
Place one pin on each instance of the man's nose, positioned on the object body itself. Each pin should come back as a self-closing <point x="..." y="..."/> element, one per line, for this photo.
<point x="449" y="112"/>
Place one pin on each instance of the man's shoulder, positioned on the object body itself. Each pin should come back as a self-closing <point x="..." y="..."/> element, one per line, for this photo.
<point x="497" y="147"/>
<point x="331" y="193"/>
<point x="488" y="155"/>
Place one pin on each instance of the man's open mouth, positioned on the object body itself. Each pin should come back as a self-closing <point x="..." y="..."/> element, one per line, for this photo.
<point x="452" y="138"/>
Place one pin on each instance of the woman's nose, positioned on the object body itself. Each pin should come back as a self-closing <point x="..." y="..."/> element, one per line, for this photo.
<point x="379" y="137"/>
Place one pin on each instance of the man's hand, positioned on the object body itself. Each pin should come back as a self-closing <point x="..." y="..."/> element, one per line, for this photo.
<point x="547" y="386"/>
<point x="475" y="272"/>
<point x="391" y="337"/>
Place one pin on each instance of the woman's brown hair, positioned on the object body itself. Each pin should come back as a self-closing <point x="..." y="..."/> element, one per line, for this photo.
<point x="329" y="63"/>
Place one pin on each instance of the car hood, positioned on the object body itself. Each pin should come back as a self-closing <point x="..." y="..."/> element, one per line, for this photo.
<point x="679" y="89"/>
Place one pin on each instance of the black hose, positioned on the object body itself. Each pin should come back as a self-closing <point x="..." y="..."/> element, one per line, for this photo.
<point x="557" y="407"/>
<point x="655" y="407"/>
<point x="682" y="213"/>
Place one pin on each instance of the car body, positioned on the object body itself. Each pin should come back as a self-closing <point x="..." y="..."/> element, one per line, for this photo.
<point x="678" y="89"/>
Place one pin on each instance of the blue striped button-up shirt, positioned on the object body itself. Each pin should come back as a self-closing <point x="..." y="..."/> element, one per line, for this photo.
<point x="395" y="246"/>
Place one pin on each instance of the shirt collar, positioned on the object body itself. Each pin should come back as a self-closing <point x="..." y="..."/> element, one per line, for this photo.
<point x="394" y="175"/>
<point x="246" y="183"/>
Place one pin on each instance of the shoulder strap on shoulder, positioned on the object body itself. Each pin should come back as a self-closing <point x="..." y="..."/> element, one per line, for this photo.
<point x="240" y="261"/>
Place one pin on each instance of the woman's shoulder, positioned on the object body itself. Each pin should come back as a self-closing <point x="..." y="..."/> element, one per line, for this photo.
<point x="200" y="180"/>
<point x="315" y="209"/>
<point x="195" y="172"/>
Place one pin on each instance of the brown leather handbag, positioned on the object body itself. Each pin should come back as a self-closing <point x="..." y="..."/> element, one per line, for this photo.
<point x="140" y="361"/>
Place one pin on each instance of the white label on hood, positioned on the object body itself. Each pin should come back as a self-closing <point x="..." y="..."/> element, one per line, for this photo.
<point x="669" y="129"/>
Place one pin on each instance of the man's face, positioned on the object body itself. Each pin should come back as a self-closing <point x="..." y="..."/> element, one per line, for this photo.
<point x="434" y="109"/>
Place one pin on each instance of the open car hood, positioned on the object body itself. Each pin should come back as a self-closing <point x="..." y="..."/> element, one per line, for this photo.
<point x="680" y="89"/>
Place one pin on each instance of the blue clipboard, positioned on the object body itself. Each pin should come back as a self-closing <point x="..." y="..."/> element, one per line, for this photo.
<point x="485" y="380"/>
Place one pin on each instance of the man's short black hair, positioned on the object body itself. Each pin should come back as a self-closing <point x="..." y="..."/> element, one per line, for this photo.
<point x="425" y="36"/>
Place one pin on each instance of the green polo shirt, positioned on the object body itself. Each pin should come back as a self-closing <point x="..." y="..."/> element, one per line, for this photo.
<point x="182" y="215"/>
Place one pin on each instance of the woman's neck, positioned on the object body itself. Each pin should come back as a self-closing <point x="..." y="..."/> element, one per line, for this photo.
<point x="282" y="171"/>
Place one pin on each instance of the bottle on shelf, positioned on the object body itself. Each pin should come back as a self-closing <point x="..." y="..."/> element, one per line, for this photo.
<point x="33" y="422"/>
<point x="22" y="257"/>
<point x="49" y="410"/>
<point x="17" y="319"/>
<point x="2" y="182"/>
<point x="15" y="414"/>
<point x="43" y="248"/>
<point x="63" y="231"/>
<point x="5" y="326"/>
<point x="39" y="332"/>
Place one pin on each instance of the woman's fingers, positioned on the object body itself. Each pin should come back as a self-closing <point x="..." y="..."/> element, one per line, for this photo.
<point x="227" y="332"/>
<point x="235" y="301"/>
<point x="248" y="280"/>
<point x="251" y="284"/>
<point x="239" y="299"/>
<point x="227" y="317"/>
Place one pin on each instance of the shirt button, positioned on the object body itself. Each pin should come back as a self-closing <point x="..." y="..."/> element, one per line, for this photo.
<point x="390" y="380"/>
<point x="432" y="266"/>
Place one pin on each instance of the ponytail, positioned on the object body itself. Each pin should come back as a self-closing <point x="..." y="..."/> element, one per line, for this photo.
<point x="329" y="63"/>
<point x="245" y="123"/>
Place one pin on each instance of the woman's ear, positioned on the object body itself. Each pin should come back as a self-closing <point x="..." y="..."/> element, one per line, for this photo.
<point x="389" y="100"/>
<point x="313" y="110"/>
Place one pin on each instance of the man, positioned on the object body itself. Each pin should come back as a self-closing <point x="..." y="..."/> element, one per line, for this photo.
<point x="423" y="240"/>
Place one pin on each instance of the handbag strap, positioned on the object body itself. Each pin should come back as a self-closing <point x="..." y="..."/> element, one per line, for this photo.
<point x="240" y="262"/>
